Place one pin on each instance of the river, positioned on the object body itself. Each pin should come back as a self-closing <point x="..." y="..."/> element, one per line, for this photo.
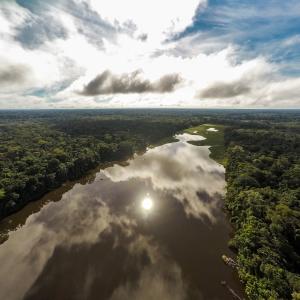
<point x="152" y="228"/>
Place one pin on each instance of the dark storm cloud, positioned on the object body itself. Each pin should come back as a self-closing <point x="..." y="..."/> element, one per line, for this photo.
<point x="108" y="83"/>
<point x="14" y="74"/>
<point x="143" y="37"/>
<point x="225" y="90"/>
<point x="167" y="83"/>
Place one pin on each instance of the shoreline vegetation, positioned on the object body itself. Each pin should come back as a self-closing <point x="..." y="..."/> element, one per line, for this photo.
<point x="213" y="138"/>
<point x="39" y="156"/>
<point x="262" y="202"/>
<point x="39" y="151"/>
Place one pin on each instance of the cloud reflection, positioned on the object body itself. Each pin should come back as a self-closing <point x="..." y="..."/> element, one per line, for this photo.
<point x="181" y="169"/>
<point x="88" y="214"/>
<point x="75" y="220"/>
<point x="164" y="282"/>
<point x="162" y="279"/>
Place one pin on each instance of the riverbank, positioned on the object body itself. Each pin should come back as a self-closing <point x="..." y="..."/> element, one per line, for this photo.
<point x="70" y="182"/>
<point x="262" y="200"/>
<point x="38" y="156"/>
<point x="214" y="137"/>
<point x="185" y="192"/>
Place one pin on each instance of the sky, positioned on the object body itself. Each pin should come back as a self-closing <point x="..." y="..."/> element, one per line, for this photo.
<point x="142" y="53"/>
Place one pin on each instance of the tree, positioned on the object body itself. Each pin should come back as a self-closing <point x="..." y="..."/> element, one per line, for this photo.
<point x="2" y="194"/>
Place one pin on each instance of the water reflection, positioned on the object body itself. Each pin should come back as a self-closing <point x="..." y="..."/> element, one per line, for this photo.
<point x="97" y="244"/>
<point x="147" y="203"/>
<point x="180" y="169"/>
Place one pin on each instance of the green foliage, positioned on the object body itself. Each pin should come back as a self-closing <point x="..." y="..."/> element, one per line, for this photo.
<point x="263" y="200"/>
<point x="2" y="194"/>
<point x="38" y="155"/>
<point x="39" y="150"/>
<point x="214" y="139"/>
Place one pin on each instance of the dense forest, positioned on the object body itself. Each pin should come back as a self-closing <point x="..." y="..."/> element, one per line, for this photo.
<point x="40" y="150"/>
<point x="263" y="198"/>
<point x="38" y="154"/>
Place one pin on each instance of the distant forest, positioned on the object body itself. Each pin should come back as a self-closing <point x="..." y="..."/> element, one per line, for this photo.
<point x="40" y="150"/>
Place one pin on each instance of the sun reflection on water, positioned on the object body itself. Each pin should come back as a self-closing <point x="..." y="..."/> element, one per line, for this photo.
<point x="147" y="203"/>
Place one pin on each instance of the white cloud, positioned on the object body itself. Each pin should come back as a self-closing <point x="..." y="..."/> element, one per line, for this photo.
<point x="11" y="17"/>
<point x="108" y="37"/>
<point x="158" y="19"/>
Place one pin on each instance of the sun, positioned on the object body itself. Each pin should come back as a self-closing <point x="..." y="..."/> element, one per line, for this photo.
<point x="147" y="203"/>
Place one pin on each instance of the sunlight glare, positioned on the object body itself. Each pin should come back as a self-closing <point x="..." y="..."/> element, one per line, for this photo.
<point x="147" y="203"/>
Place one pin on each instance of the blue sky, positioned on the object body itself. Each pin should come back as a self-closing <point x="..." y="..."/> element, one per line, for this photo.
<point x="138" y="53"/>
<point x="253" y="25"/>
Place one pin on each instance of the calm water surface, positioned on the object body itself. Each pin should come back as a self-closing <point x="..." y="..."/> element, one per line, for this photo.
<point x="153" y="229"/>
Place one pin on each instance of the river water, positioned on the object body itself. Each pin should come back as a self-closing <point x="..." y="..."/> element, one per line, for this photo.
<point x="150" y="229"/>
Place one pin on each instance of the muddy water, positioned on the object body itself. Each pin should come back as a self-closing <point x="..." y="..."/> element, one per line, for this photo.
<point x="152" y="229"/>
